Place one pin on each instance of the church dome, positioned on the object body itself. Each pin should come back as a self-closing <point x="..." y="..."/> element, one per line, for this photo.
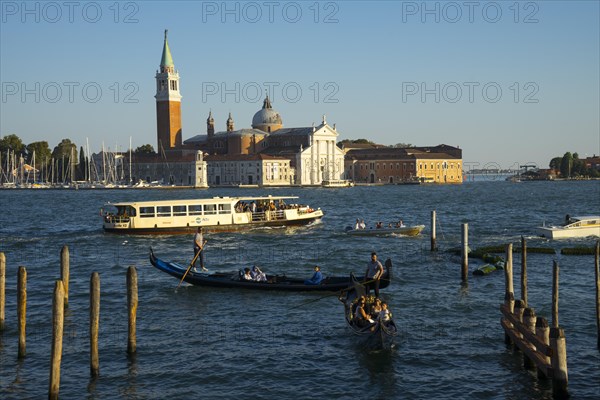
<point x="267" y="119"/>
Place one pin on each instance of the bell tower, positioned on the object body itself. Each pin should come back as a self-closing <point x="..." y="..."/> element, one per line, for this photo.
<point x="168" y="103"/>
<point x="230" y="123"/>
<point x="210" y="125"/>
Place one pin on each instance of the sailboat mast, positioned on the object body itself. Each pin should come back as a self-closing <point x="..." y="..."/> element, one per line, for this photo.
<point x="130" y="180"/>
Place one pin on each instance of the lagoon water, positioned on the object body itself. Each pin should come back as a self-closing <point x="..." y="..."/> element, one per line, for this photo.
<point x="204" y="343"/>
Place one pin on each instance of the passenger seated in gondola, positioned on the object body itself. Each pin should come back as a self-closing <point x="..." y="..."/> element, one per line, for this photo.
<point x="361" y="318"/>
<point x="316" y="278"/>
<point x="376" y="308"/>
<point x="258" y="275"/>
<point x="379" y="225"/>
<point x="247" y="276"/>
<point x="357" y="225"/>
<point x="385" y="315"/>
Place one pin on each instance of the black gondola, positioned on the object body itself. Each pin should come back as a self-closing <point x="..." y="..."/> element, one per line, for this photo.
<point x="233" y="279"/>
<point x="377" y="335"/>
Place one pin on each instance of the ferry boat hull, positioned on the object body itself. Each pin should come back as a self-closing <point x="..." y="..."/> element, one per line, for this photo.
<point x="575" y="227"/>
<point x="213" y="215"/>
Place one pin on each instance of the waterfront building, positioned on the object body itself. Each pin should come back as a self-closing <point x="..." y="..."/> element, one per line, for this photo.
<point x="437" y="164"/>
<point x="249" y="170"/>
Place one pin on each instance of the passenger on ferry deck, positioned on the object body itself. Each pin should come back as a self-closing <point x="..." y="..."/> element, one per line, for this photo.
<point x="316" y="278"/>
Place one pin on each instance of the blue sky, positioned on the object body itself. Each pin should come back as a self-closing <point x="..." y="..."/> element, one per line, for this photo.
<point x="508" y="82"/>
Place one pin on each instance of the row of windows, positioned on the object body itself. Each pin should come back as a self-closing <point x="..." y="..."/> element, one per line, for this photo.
<point x="162" y="85"/>
<point x="184" y="210"/>
<point x="376" y="166"/>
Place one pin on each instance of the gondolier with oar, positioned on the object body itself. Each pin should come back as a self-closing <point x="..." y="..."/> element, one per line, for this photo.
<point x="199" y="243"/>
<point x="373" y="274"/>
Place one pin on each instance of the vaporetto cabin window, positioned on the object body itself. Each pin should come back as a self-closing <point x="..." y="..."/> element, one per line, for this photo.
<point x="163" y="211"/>
<point x="224" y="208"/>
<point x="179" y="211"/>
<point x="210" y="209"/>
<point x="146" y="212"/>
<point x="195" y="210"/>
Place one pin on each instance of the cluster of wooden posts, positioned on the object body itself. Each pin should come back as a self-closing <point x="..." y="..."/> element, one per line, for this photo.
<point x="60" y="302"/>
<point x="543" y="347"/>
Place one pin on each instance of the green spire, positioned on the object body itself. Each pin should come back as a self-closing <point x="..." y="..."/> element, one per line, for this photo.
<point x="166" y="60"/>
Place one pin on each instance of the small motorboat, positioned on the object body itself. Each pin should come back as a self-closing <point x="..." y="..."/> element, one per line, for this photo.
<point x="573" y="227"/>
<point x="413" y="230"/>
<point x="379" y="334"/>
<point x="234" y="279"/>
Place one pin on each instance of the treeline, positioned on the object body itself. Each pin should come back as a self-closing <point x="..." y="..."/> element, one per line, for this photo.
<point x="571" y="166"/>
<point x="64" y="157"/>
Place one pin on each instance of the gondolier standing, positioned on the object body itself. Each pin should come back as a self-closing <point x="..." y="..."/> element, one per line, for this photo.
<point x="199" y="243"/>
<point x="373" y="274"/>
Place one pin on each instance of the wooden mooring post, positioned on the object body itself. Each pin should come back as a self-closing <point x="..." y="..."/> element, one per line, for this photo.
<point x="543" y="348"/>
<point x="464" y="271"/>
<point x="2" y="289"/>
<point x="64" y="271"/>
<point x="132" y="303"/>
<point x="433" y="233"/>
<point x="555" y="270"/>
<point x="22" y="309"/>
<point x="94" y="324"/>
<point x="58" y="313"/>
<point x="524" y="270"/>
<point x="597" y="265"/>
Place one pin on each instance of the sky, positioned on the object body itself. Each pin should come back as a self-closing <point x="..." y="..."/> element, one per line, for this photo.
<point x="510" y="83"/>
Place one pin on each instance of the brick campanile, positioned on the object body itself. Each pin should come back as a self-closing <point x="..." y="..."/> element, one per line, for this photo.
<point x="168" y="103"/>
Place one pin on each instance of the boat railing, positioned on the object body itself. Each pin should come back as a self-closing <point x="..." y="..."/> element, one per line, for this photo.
<point x="268" y="215"/>
<point x="116" y="219"/>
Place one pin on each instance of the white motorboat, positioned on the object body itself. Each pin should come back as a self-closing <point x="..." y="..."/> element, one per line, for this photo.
<point x="573" y="227"/>
<point x="413" y="230"/>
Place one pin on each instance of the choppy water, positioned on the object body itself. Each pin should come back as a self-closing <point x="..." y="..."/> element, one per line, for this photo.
<point x="197" y="342"/>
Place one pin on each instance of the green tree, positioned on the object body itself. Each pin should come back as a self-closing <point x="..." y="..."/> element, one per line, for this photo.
<point x="65" y="156"/>
<point x="145" y="149"/>
<point x="402" y="145"/>
<point x="566" y="164"/>
<point x="42" y="152"/>
<point x="355" y="141"/>
<point x="12" y="143"/>
<point x="82" y="167"/>
<point x="555" y="163"/>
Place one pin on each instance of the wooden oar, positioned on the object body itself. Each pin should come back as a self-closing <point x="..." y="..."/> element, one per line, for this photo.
<point x="339" y="292"/>
<point x="191" y="264"/>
